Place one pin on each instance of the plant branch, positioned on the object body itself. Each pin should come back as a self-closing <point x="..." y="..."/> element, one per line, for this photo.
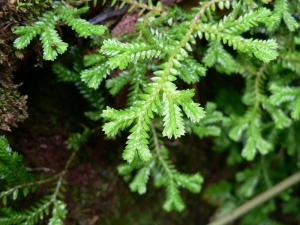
<point x="258" y="200"/>
<point x="34" y="183"/>
<point x="158" y="152"/>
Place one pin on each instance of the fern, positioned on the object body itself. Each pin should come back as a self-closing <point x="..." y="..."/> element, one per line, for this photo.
<point x="282" y="10"/>
<point x="156" y="67"/>
<point x="12" y="171"/>
<point x="45" y="27"/>
<point x="164" y="174"/>
<point x="208" y="126"/>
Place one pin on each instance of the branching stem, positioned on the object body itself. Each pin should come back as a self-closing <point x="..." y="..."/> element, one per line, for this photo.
<point x="37" y="183"/>
<point x="144" y="6"/>
<point x="158" y="151"/>
<point x="256" y="85"/>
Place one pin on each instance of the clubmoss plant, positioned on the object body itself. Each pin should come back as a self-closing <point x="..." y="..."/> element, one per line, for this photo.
<point x="257" y="40"/>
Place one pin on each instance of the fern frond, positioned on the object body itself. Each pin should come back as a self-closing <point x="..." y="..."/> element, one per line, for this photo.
<point x="64" y="74"/>
<point x="193" y="110"/>
<point x="263" y="50"/>
<point x="173" y="121"/>
<point x="282" y="11"/>
<point x="286" y="94"/>
<point x="190" y="70"/>
<point x="12" y="170"/>
<point x="245" y="22"/>
<point x="249" y="179"/>
<point x="92" y="59"/>
<point x="290" y="60"/>
<point x="117" y="83"/>
<point x="139" y="182"/>
<point x="190" y="182"/>
<point x="173" y="199"/>
<point x="280" y="119"/>
<point x="121" y="54"/>
<point x="217" y="55"/>
<point x="207" y="126"/>
<point x="255" y="142"/>
<point x="120" y="120"/>
<point x="138" y="142"/>
<point x="94" y="75"/>
<point x="11" y="217"/>
<point x="138" y="82"/>
<point x="82" y="27"/>
<point x="45" y="27"/>
<point x="58" y="213"/>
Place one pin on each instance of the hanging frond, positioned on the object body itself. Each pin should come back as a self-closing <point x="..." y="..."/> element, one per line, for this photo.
<point x="45" y="27"/>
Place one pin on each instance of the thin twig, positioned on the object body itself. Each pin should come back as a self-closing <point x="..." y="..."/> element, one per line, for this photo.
<point x="258" y="200"/>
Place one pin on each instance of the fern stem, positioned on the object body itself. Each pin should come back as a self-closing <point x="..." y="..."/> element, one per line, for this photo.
<point x="258" y="200"/>
<point x="145" y="6"/>
<point x="11" y="190"/>
<point x="186" y="38"/>
<point x="158" y="150"/>
<point x="40" y="182"/>
<point x="256" y="85"/>
<point x="265" y="172"/>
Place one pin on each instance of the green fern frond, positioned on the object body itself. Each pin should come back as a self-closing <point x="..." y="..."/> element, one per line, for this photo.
<point x="138" y="82"/>
<point x="245" y="22"/>
<point x="138" y="142"/>
<point x="94" y="75"/>
<point x="190" y="182"/>
<point x="82" y="27"/>
<point x="173" y="121"/>
<point x="263" y="50"/>
<point x="282" y="10"/>
<point x="190" y="70"/>
<point x="193" y="110"/>
<point x="208" y="125"/>
<point x="120" y="120"/>
<point x="92" y="59"/>
<point x="58" y="213"/>
<point x="117" y="83"/>
<point x="280" y="119"/>
<point x="255" y="142"/>
<point x="139" y="182"/>
<point x="45" y="27"/>
<point x="64" y="74"/>
<point x="11" y="217"/>
<point x="286" y="94"/>
<point x="12" y="170"/>
<point x="173" y="199"/>
<point x="249" y="179"/>
<point x="290" y="61"/>
<point x="121" y="54"/>
<point x="217" y="55"/>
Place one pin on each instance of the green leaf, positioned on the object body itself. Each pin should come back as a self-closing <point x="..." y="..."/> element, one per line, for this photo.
<point x="4" y="200"/>
<point x="15" y="194"/>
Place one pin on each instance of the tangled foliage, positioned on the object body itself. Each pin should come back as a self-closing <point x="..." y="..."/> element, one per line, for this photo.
<point x="255" y="39"/>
